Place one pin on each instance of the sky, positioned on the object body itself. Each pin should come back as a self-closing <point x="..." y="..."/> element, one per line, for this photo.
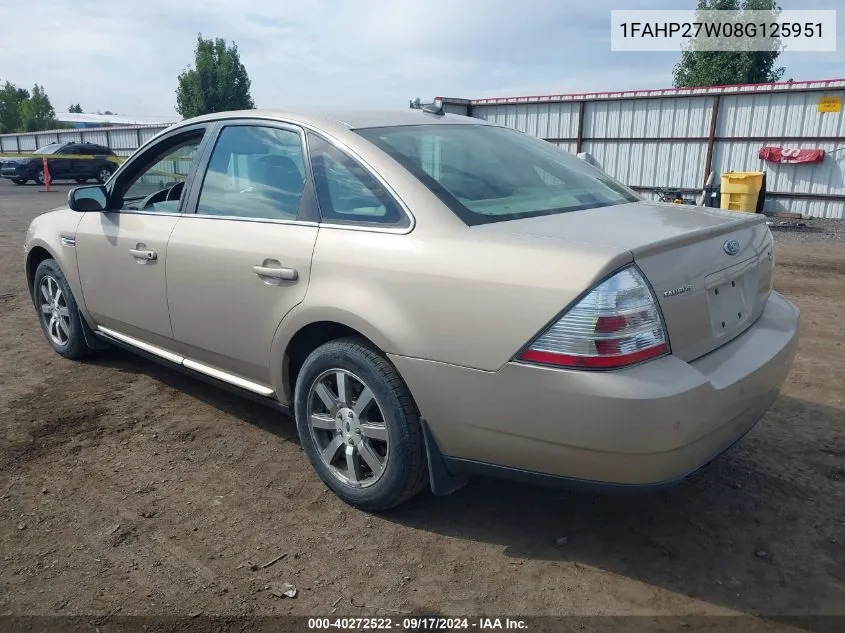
<point x="125" y="56"/>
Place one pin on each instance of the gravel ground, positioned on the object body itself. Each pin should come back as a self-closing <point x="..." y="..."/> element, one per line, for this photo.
<point x="815" y="230"/>
<point x="128" y="488"/>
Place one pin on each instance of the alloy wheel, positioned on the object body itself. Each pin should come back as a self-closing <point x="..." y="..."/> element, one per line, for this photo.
<point x="348" y="428"/>
<point x="54" y="311"/>
<point x="103" y="175"/>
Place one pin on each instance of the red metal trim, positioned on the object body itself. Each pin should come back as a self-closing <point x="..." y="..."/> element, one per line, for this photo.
<point x="656" y="92"/>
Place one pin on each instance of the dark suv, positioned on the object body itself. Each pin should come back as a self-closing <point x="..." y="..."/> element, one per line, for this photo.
<point x="92" y="162"/>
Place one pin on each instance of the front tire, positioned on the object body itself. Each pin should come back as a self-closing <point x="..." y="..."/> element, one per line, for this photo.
<point x="39" y="176"/>
<point x="57" y="311"/>
<point x="19" y="181"/>
<point x="103" y="174"/>
<point x="359" y="426"/>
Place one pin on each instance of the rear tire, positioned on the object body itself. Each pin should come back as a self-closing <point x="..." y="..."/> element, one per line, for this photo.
<point x="19" y="181"/>
<point x="39" y="176"/>
<point x="383" y="429"/>
<point x="57" y="311"/>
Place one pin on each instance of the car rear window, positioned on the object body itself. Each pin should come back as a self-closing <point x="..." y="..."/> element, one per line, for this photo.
<point x="488" y="174"/>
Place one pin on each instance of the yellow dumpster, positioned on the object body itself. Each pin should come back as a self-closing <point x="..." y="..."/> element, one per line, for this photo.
<point x="740" y="190"/>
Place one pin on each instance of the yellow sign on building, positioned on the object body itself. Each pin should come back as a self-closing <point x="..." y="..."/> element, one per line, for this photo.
<point x="830" y="104"/>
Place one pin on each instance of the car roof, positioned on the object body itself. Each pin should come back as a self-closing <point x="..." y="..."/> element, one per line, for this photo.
<point x="349" y="119"/>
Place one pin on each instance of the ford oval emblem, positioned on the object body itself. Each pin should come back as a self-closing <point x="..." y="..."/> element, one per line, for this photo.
<point x="731" y="247"/>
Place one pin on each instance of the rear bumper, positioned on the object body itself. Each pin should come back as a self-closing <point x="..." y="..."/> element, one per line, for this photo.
<point x="647" y="425"/>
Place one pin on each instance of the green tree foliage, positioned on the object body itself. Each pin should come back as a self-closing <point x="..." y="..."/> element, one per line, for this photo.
<point x="36" y="112"/>
<point x="716" y="68"/>
<point x="11" y="100"/>
<point x="25" y="111"/>
<point x="217" y="82"/>
<point x="77" y="109"/>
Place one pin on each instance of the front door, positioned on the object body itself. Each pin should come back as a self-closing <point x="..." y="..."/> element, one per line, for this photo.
<point x="122" y="253"/>
<point x="242" y="261"/>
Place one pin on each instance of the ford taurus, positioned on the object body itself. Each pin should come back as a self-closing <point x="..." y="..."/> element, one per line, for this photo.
<point x="431" y="296"/>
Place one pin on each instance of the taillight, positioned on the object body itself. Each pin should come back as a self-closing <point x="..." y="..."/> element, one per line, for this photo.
<point x="616" y="324"/>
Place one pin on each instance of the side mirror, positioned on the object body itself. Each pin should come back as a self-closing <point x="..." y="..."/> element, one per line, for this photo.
<point x="91" y="198"/>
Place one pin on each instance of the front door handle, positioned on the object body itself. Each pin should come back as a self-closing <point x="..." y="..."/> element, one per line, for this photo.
<point x="142" y="253"/>
<point x="285" y="274"/>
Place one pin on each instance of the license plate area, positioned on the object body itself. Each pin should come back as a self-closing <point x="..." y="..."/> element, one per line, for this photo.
<point x="730" y="297"/>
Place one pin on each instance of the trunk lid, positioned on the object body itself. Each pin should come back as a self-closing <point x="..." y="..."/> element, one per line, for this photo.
<point x="710" y="269"/>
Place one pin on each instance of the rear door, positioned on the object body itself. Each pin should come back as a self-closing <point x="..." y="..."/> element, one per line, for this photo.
<point x="122" y="253"/>
<point x="81" y="165"/>
<point x="62" y="165"/>
<point x="242" y="259"/>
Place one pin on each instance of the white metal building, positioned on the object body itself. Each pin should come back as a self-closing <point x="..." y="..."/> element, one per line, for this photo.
<point x="123" y="139"/>
<point x="674" y="137"/>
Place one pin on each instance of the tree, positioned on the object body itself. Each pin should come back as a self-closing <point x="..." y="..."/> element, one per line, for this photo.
<point x="717" y="68"/>
<point x="77" y="109"/>
<point x="36" y="112"/>
<point x="11" y="100"/>
<point x="217" y="82"/>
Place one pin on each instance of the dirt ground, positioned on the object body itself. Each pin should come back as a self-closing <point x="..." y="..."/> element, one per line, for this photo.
<point x="128" y="488"/>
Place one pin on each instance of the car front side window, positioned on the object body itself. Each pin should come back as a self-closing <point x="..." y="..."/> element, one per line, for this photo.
<point x="158" y="185"/>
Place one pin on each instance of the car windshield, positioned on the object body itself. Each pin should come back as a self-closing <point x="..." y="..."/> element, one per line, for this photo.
<point x="490" y="174"/>
<point x="49" y="149"/>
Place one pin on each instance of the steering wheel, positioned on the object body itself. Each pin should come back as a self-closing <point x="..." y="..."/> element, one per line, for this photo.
<point x="162" y="195"/>
<point x="175" y="192"/>
<point x="156" y="196"/>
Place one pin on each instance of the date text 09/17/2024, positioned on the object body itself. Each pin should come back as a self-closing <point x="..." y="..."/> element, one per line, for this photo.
<point x="417" y="623"/>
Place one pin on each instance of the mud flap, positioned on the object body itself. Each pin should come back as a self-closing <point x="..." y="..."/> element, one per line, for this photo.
<point x="91" y="340"/>
<point x="443" y="481"/>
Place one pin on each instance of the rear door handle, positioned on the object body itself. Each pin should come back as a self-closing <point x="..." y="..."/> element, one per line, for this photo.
<point x="146" y="254"/>
<point x="285" y="274"/>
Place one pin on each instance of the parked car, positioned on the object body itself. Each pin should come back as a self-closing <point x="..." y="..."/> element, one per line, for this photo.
<point x="432" y="297"/>
<point x="62" y="164"/>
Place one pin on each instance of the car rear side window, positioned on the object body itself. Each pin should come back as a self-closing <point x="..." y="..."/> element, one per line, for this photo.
<point x="347" y="192"/>
<point x="165" y="173"/>
<point x="254" y="172"/>
<point x="52" y="148"/>
<point x="490" y="174"/>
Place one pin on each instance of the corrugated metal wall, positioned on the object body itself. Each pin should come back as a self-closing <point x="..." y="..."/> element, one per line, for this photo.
<point x="661" y="138"/>
<point x="546" y="120"/>
<point x="123" y="140"/>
